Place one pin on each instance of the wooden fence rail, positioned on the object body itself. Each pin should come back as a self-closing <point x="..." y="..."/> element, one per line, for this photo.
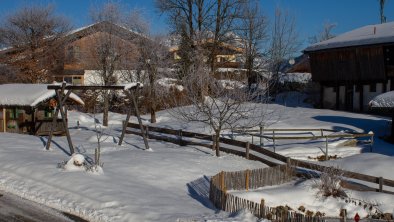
<point x="177" y="138"/>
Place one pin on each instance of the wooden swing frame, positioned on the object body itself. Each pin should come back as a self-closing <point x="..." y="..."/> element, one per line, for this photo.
<point x="62" y="96"/>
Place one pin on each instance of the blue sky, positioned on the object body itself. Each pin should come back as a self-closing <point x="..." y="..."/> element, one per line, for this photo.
<point x="310" y="14"/>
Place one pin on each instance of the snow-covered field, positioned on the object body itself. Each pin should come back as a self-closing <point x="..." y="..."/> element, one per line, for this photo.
<point x="171" y="182"/>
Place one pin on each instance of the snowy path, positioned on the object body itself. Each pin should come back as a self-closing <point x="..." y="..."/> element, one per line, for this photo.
<point x="14" y="208"/>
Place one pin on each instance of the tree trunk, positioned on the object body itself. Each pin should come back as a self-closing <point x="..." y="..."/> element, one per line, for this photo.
<point x="105" y="109"/>
<point x="217" y="145"/>
<point x="152" y="115"/>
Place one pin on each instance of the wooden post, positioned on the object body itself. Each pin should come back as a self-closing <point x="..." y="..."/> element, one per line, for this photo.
<point x="247" y="176"/>
<point x="137" y="113"/>
<point x="288" y="161"/>
<point x="262" y="208"/>
<point x="4" y="120"/>
<point x="261" y="136"/>
<point x="124" y="126"/>
<point x="326" y="148"/>
<point x="273" y="140"/>
<point x="247" y="150"/>
<point x="321" y="132"/>
<point x="147" y="131"/>
<point x="372" y="141"/>
<point x="380" y="184"/>
<point x="213" y="141"/>
<point x="180" y="137"/>
<point x="343" y="215"/>
<point x="61" y="101"/>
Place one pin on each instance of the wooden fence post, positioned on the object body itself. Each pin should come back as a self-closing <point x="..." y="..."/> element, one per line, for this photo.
<point x="371" y="145"/>
<point x="147" y="132"/>
<point x="321" y="132"/>
<point x="261" y="136"/>
<point x="273" y="140"/>
<point x="252" y="138"/>
<point x="247" y="176"/>
<point x="343" y="215"/>
<point x="180" y="137"/>
<point x="326" y="148"/>
<point x="262" y="208"/>
<point x="213" y="142"/>
<point x="247" y="150"/>
<point x="380" y="184"/>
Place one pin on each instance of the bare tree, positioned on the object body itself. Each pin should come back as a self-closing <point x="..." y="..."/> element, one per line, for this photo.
<point x="155" y="63"/>
<point x="111" y="51"/>
<point x="252" y="32"/>
<point x="229" y="104"/>
<point x="32" y="32"/>
<point x="284" y="42"/>
<point x="325" y="34"/>
<point x="381" y="11"/>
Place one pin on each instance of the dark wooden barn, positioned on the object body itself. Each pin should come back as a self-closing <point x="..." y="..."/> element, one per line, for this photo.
<point x="354" y="67"/>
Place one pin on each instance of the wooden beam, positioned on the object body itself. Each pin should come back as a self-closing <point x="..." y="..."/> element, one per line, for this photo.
<point x="63" y="114"/>
<point x="54" y="119"/>
<point x="337" y="91"/>
<point x="125" y="126"/>
<point x="72" y="87"/>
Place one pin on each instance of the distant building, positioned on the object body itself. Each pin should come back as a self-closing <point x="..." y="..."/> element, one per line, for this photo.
<point x="76" y="61"/>
<point x="354" y="67"/>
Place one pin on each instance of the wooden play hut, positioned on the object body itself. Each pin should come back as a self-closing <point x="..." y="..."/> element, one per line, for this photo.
<point x="29" y="109"/>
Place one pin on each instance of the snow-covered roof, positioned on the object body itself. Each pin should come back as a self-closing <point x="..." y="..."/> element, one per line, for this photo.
<point x="28" y="94"/>
<point x="367" y="35"/>
<point x="385" y="100"/>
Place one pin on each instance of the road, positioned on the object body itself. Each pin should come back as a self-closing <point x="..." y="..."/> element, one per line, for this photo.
<point x="16" y="209"/>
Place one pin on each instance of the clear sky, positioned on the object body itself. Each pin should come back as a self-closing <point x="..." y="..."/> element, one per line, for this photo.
<point x="310" y="14"/>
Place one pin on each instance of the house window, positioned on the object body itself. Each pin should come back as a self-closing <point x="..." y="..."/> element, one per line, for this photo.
<point x="372" y="87"/>
<point x="68" y="79"/>
<point x="77" y="80"/>
<point x="73" y="53"/>
<point x="48" y="113"/>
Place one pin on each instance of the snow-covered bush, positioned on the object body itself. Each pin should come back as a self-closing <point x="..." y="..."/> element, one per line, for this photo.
<point x="328" y="184"/>
<point x="75" y="163"/>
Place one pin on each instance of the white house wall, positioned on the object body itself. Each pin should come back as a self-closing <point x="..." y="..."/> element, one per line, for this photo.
<point x="92" y="77"/>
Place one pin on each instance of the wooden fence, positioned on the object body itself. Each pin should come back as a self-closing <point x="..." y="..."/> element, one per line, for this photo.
<point x="260" y="154"/>
<point x="251" y="179"/>
<point x="260" y="133"/>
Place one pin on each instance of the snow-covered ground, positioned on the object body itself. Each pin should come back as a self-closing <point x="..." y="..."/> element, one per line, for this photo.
<point x="171" y="182"/>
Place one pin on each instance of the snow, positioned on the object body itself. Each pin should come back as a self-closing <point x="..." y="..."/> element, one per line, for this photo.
<point x="230" y="84"/>
<point x="304" y="193"/>
<point x="385" y="100"/>
<point x="171" y="182"/>
<point x="132" y="85"/>
<point x="28" y="94"/>
<point x="370" y="34"/>
<point x="295" y="77"/>
<point x="170" y="83"/>
<point x="75" y="163"/>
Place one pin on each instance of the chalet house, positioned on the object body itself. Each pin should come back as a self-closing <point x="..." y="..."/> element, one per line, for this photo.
<point x="77" y="59"/>
<point x="29" y="109"/>
<point x="354" y="67"/>
<point x="229" y="56"/>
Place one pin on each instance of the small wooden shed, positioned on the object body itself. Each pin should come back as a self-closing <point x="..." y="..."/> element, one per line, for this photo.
<point x="29" y="109"/>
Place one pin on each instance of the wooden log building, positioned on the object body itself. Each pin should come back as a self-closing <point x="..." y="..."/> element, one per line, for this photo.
<point x="354" y="67"/>
<point x="29" y="109"/>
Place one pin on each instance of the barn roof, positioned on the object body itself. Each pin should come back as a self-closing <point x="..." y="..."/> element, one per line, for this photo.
<point x="28" y="95"/>
<point x="367" y="35"/>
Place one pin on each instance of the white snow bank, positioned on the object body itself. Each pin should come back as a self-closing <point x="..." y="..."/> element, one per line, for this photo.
<point x="385" y="100"/>
<point x="230" y="84"/>
<point x="132" y="85"/>
<point x="169" y="83"/>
